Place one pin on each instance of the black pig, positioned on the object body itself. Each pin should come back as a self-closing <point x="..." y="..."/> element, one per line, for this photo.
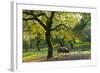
<point x="63" y="50"/>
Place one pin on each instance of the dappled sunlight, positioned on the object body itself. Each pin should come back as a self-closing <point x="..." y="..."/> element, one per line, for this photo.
<point x="56" y="35"/>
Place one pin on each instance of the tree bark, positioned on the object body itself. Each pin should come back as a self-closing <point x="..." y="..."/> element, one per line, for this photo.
<point x="38" y="43"/>
<point x="50" y="48"/>
<point x="48" y="35"/>
<point x="71" y="44"/>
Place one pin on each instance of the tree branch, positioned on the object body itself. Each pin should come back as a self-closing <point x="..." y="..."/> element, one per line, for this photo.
<point x="60" y="26"/>
<point x="49" y="21"/>
<point x="28" y="12"/>
<point x="35" y="17"/>
<point x="28" y="18"/>
<point x="40" y="22"/>
<point x="38" y="15"/>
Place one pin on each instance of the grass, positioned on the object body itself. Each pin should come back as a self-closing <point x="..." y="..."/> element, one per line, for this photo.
<point x="72" y="56"/>
<point x="76" y="54"/>
<point x="36" y="53"/>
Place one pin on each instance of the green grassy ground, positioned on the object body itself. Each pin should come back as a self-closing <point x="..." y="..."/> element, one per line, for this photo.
<point x="41" y="56"/>
<point x="80" y="51"/>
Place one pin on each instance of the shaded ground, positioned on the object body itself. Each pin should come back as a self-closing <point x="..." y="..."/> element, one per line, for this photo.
<point x="71" y="56"/>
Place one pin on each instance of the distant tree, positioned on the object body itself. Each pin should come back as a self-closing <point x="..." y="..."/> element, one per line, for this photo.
<point x="82" y="29"/>
<point x="38" y="33"/>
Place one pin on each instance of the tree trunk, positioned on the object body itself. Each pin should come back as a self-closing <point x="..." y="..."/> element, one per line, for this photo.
<point x="71" y="44"/>
<point x="60" y="41"/>
<point x="38" y="43"/>
<point x="30" y="44"/>
<point x="50" y="48"/>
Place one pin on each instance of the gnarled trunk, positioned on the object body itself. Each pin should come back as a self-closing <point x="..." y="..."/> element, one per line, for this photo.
<point x="50" y="48"/>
